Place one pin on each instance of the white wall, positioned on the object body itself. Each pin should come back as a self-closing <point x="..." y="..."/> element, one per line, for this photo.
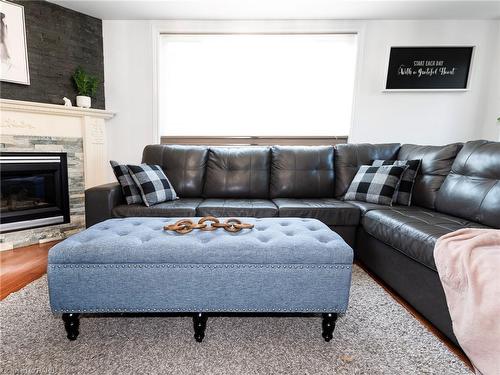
<point x="491" y="128"/>
<point x="410" y="117"/>
<point x="423" y="117"/>
<point x="128" y="76"/>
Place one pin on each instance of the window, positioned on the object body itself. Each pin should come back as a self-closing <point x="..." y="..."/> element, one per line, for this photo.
<point x="261" y="85"/>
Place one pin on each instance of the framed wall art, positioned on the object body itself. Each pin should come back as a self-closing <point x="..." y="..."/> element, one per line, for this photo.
<point x="429" y="68"/>
<point x="13" y="47"/>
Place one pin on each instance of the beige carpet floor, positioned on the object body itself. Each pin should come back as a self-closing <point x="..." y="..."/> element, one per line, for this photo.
<point x="375" y="336"/>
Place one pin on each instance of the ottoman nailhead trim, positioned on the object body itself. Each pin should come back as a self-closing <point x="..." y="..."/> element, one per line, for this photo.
<point x="193" y="309"/>
<point x="209" y="266"/>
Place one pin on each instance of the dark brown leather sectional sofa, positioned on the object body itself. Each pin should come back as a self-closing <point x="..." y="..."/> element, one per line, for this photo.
<point x="458" y="186"/>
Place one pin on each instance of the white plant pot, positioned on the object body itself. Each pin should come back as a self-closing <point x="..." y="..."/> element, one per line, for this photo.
<point x="83" y="101"/>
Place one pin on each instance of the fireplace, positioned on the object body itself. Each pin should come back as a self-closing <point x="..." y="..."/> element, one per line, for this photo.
<point x="34" y="190"/>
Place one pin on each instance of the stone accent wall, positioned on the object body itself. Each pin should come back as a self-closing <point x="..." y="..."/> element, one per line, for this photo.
<point x="74" y="149"/>
<point x="59" y="40"/>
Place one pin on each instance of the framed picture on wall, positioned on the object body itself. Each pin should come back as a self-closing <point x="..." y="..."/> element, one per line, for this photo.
<point x="13" y="47"/>
<point x="443" y="68"/>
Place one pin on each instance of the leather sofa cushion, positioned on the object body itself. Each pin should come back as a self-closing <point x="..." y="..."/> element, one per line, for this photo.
<point x="237" y="208"/>
<point x="472" y="189"/>
<point x="237" y="172"/>
<point x="180" y="207"/>
<point x="302" y="172"/>
<point x="412" y="230"/>
<point x="364" y="207"/>
<point x="328" y="210"/>
<point x="184" y="166"/>
<point x="349" y="157"/>
<point x="435" y="166"/>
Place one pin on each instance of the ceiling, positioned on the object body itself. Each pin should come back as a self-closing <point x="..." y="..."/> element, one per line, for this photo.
<point x="284" y="9"/>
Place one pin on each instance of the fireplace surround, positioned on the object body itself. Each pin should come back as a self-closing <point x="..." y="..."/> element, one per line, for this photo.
<point x="34" y="190"/>
<point x="80" y="133"/>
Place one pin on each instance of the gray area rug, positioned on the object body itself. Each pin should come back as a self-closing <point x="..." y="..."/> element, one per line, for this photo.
<point x="376" y="336"/>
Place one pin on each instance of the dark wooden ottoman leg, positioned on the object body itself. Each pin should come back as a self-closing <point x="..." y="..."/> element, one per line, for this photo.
<point x="199" y="324"/>
<point x="71" y="323"/>
<point x="328" y="325"/>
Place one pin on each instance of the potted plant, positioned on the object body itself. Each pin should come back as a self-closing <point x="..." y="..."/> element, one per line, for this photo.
<point x="86" y="86"/>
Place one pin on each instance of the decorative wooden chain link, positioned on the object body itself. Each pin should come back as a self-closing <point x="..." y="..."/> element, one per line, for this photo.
<point x="184" y="226"/>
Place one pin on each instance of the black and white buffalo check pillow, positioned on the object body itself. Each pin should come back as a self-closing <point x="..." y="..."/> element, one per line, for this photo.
<point x="405" y="189"/>
<point x="375" y="184"/>
<point x="153" y="185"/>
<point x="129" y="188"/>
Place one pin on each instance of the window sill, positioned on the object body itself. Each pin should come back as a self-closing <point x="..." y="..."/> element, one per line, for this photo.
<point x="252" y="141"/>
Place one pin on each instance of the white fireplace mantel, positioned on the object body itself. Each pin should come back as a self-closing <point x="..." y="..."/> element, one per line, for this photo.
<point x="52" y="120"/>
<point x="53" y="109"/>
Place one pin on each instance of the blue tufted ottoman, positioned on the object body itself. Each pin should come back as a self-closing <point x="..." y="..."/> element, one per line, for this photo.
<point x="283" y="265"/>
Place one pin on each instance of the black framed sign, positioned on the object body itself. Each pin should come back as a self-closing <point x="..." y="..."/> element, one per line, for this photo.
<point x="429" y="68"/>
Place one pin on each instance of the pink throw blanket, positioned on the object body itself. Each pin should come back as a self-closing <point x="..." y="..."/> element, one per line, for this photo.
<point x="468" y="263"/>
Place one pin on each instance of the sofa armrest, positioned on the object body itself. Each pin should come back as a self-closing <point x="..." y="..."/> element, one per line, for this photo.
<point x="100" y="201"/>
